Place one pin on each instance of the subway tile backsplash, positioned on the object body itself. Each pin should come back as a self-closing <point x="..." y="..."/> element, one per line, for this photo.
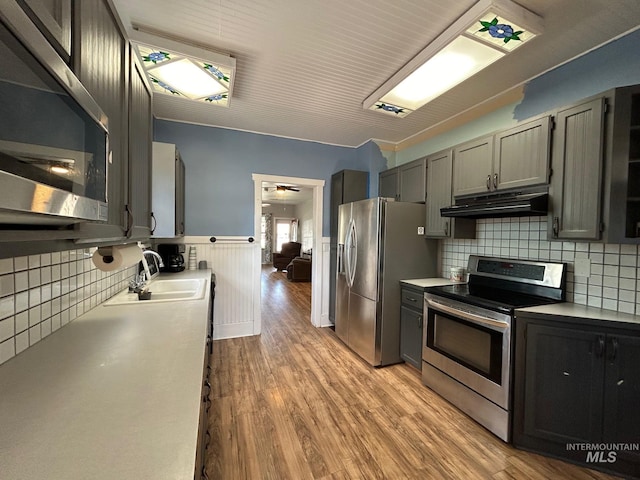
<point x="41" y="293"/>
<point x="615" y="269"/>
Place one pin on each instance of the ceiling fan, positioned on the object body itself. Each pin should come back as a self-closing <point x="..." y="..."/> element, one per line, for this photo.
<point x="282" y="188"/>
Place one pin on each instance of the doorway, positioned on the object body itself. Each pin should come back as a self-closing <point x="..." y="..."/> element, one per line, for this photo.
<point x="316" y="266"/>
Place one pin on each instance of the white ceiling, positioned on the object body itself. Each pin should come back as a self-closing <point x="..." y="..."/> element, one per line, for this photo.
<point x="305" y="66"/>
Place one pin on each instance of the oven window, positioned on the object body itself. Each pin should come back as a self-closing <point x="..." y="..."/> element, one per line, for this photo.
<point x="473" y="346"/>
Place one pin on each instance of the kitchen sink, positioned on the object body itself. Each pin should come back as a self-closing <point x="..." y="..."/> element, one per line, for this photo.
<point x="164" y="290"/>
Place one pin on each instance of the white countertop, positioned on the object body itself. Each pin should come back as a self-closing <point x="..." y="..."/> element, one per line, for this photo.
<point x="429" y="282"/>
<point x="115" y="394"/>
<point x="574" y="310"/>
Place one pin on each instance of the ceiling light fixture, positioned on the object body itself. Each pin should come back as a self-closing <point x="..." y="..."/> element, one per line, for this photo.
<point x="485" y="33"/>
<point x="183" y="70"/>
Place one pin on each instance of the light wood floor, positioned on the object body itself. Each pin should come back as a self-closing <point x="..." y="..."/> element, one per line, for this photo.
<point x="295" y="403"/>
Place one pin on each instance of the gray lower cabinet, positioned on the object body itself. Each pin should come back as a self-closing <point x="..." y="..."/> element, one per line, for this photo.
<point x="204" y="437"/>
<point x="439" y="195"/>
<point x="411" y="320"/>
<point x="346" y="186"/>
<point x="578" y="383"/>
<point x="576" y="183"/>
<point x="405" y="183"/>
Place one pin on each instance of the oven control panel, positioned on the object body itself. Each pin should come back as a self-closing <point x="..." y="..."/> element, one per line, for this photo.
<point x="511" y="269"/>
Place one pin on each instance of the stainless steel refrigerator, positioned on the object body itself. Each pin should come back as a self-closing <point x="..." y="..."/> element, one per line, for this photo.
<point x="379" y="244"/>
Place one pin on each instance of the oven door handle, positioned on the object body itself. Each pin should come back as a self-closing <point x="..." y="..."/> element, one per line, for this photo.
<point x="472" y="317"/>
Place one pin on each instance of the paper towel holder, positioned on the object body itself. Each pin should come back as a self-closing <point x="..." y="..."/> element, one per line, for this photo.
<point x="106" y="253"/>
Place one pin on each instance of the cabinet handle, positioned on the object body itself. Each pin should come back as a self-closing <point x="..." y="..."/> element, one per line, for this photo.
<point x="155" y="223"/>
<point x="614" y="352"/>
<point x="411" y="299"/>
<point x="495" y="180"/>
<point x="419" y="321"/>
<point x="488" y="182"/>
<point x="556" y="226"/>
<point x="129" y="220"/>
<point x="600" y="346"/>
<point x="446" y="228"/>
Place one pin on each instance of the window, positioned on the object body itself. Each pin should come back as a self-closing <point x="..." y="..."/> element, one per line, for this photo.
<point x="263" y="232"/>
<point x="283" y="229"/>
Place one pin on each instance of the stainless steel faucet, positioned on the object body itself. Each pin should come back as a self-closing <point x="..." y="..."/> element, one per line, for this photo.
<point x="154" y="254"/>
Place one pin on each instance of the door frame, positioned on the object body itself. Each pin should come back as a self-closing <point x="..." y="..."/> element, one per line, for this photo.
<point x="316" y="264"/>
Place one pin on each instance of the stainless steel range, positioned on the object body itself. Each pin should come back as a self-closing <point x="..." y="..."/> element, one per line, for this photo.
<point x="467" y="345"/>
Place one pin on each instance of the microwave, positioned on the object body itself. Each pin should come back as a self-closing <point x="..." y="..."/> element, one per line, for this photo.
<point x="54" y="138"/>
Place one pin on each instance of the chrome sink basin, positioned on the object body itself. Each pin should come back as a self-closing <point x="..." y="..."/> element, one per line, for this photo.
<point x="164" y="290"/>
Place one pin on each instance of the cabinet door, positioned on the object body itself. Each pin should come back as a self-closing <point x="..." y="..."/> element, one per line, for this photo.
<point x="53" y="18"/>
<point x="563" y="384"/>
<point x="411" y="336"/>
<point x="472" y="167"/>
<point x="439" y="167"/>
<point x="413" y="181"/>
<point x="180" y="196"/>
<point x="140" y="132"/>
<point x="522" y="155"/>
<point x="576" y="181"/>
<point x="102" y="65"/>
<point x="388" y="184"/>
<point x="622" y="389"/>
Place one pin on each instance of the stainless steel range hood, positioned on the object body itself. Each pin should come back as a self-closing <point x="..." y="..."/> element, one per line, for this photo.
<point x="511" y="204"/>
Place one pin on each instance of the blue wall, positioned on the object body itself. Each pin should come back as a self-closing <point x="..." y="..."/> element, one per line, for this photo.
<point x="219" y="164"/>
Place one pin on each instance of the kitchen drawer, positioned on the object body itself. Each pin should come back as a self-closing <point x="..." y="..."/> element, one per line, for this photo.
<point x="412" y="298"/>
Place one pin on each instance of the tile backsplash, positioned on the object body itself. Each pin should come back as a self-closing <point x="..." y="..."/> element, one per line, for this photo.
<point x="612" y="283"/>
<point x="41" y="293"/>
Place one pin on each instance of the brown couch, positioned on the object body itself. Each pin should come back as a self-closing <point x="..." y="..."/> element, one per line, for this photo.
<point x="289" y="251"/>
<point x="299" y="270"/>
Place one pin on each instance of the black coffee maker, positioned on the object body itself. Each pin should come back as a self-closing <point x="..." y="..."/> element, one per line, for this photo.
<point x="172" y="257"/>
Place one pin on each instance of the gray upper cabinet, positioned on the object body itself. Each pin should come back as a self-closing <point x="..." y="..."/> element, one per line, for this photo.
<point x="472" y="167"/>
<point x="405" y="183"/>
<point x="576" y="182"/>
<point x="388" y="184"/>
<point x="53" y="18"/>
<point x="514" y="158"/>
<point x="439" y="195"/>
<point x="621" y="205"/>
<point x="101" y="62"/>
<point x="522" y="155"/>
<point x="139" y="164"/>
<point x="413" y="181"/>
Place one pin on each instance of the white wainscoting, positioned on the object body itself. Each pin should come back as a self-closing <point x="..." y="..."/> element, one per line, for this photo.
<point x="326" y="259"/>
<point x="232" y="259"/>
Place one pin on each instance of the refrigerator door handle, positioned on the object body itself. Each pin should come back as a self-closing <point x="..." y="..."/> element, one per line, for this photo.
<point x="354" y="252"/>
<point x="348" y="253"/>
